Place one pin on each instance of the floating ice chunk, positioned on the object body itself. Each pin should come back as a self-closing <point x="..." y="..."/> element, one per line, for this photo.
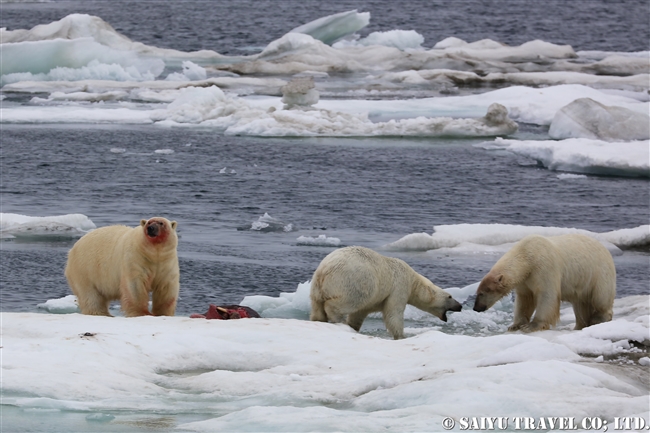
<point x="331" y="28"/>
<point x="235" y="116"/>
<point x="300" y="92"/>
<point x="164" y="151"/>
<point x="78" y="38"/>
<point x="66" y="226"/>
<point x="464" y="235"/>
<point x="571" y="176"/>
<point x="84" y="58"/>
<point x="313" y="74"/>
<point x="118" y="150"/>
<point x="320" y="241"/>
<point x="645" y="361"/>
<point x="488" y="49"/>
<point x="65" y="305"/>
<point x="266" y="223"/>
<point x="450" y="42"/>
<point x="294" y="305"/>
<point x="638" y="237"/>
<point x="582" y="155"/>
<point x="83" y="96"/>
<point x="400" y="39"/>
<point x="586" y="118"/>
<point x="617" y="64"/>
<point x="191" y="72"/>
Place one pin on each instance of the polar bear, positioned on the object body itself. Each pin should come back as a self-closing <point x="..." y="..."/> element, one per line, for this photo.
<point x="119" y="262"/>
<point x="357" y="281"/>
<point x="544" y="271"/>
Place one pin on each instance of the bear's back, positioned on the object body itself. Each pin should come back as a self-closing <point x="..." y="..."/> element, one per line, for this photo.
<point x="96" y="251"/>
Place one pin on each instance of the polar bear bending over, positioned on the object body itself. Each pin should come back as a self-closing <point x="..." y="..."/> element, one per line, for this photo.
<point x="356" y="281"/>
<point x="544" y="271"/>
<point x="119" y="262"/>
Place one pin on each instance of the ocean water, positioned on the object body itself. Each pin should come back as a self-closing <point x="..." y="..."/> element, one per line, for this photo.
<point x="237" y="27"/>
<point x="363" y="191"/>
<point x="368" y="191"/>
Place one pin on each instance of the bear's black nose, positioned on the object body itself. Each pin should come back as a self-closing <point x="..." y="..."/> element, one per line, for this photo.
<point x="152" y="230"/>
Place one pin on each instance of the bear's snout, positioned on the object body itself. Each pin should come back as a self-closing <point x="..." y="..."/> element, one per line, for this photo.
<point x="479" y="306"/>
<point x="154" y="228"/>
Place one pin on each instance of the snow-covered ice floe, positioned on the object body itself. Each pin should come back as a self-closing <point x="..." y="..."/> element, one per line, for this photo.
<point x="266" y="223"/>
<point x="285" y="374"/>
<point x="319" y="241"/>
<point x="583" y="155"/>
<point x="30" y="227"/>
<point x="210" y="107"/>
<point x="470" y="238"/>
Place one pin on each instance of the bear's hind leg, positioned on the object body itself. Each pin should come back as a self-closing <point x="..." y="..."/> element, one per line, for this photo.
<point x="355" y="320"/>
<point x="599" y="317"/>
<point x="333" y="312"/>
<point x="582" y="313"/>
<point x="317" y="311"/>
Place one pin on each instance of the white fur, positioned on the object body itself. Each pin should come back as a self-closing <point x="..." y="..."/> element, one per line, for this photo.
<point x="118" y="262"/>
<point x="544" y="271"/>
<point x="353" y="282"/>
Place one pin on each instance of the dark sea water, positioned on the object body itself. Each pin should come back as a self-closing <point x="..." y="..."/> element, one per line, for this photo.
<point x="364" y="191"/>
<point x="235" y="26"/>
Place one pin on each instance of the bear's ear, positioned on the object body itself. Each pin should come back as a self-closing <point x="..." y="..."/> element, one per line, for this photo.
<point x="143" y="222"/>
<point x="174" y="224"/>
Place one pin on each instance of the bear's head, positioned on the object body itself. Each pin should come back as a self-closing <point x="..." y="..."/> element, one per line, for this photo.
<point x="428" y="297"/>
<point x="158" y="230"/>
<point x="491" y="288"/>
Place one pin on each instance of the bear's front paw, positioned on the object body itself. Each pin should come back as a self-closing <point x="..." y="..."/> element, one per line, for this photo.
<point x="514" y="327"/>
<point x="534" y="326"/>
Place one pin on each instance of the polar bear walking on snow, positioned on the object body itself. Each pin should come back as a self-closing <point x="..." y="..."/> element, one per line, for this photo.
<point x="119" y="262"/>
<point x="353" y="282"/>
<point x="544" y="271"/>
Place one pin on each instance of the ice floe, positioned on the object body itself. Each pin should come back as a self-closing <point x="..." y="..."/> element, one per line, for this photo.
<point x="474" y="237"/>
<point x="331" y="28"/>
<point x="61" y="226"/>
<point x="586" y="118"/>
<point x="583" y="155"/>
<point x="279" y="373"/>
<point x="319" y="241"/>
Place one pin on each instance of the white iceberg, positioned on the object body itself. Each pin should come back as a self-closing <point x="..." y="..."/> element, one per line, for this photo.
<point x="583" y="155"/>
<point x="586" y="118"/>
<point x="331" y="28"/>
<point x="61" y="226"/>
<point x="320" y="241"/>
<point x="210" y="107"/>
<point x="473" y="237"/>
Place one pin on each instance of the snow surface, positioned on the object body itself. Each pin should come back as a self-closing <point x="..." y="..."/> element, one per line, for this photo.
<point x="283" y="374"/>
